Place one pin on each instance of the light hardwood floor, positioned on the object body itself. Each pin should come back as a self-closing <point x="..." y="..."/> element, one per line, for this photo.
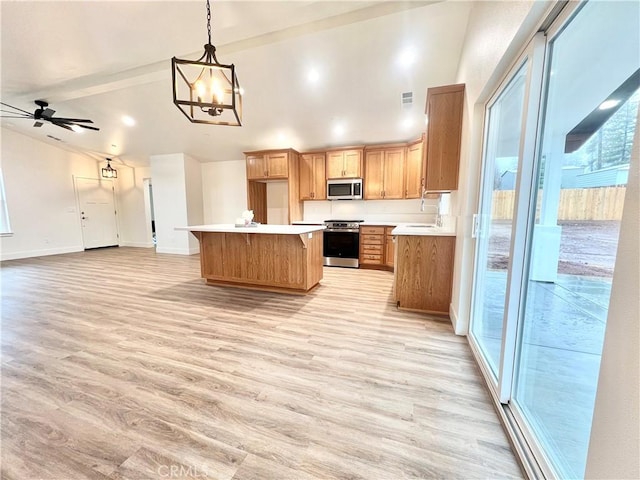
<point x="121" y="363"/>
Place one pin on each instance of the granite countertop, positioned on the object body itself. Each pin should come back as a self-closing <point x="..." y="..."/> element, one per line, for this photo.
<point x="272" y="229"/>
<point x="423" y="229"/>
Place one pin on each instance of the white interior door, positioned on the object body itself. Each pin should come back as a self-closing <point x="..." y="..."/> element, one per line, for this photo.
<point x="97" y="212"/>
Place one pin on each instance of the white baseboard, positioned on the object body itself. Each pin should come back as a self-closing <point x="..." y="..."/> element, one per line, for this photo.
<point x="137" y="244"/>
<point x="177" y="251"/>
<point x="40" y="253"/>
<point x="453" y="315"/>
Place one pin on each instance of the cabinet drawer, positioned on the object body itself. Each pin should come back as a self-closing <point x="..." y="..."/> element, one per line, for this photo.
<point x="375" y="249"/>
<point x="369" y="258"/>
<point x="372" y="230"/>
<point x="372" y="239"/>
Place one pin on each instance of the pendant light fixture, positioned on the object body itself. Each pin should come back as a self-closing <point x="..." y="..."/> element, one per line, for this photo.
<point x="205" y="90"/>
<point x="108" y="172"/>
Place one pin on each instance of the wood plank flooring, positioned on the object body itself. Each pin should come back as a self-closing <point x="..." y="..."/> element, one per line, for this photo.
<point x="123" y="364"/>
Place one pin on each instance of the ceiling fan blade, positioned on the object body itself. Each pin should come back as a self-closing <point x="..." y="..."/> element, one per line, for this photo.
<point x="14" y="115"/>
<point x="71" y="120"/>
<point x="38" y="124"/>
<point x="88" y="127"/>
<point x="15" y="108"/>
<point x="63" y="126"/>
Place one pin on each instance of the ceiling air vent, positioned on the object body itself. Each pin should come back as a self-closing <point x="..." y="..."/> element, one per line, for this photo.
<point x="407" y="99"/>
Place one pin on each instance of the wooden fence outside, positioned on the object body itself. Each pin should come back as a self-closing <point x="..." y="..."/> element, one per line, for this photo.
<point x="603" y="203"/>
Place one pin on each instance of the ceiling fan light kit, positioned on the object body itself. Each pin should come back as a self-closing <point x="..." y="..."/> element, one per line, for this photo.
<point x="205" y="90"/>
<point x="109" y="171"/>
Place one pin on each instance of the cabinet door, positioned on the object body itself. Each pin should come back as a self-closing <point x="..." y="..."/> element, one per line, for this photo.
<point x="278" y="165"/>
<point x="335" y="164"/>
<point x="374" y="175"/>
<point x="319" y="178"/>
<point x="352" y="163"/>
<point x="393" y="174"/>
<point x="306" y="180"/>
<point x="389" y="250"/>
<point x="414" y="171"/>
<point x="444" y="110"/>
<point x="424" y="273"/>
<point x="256" y="167"/>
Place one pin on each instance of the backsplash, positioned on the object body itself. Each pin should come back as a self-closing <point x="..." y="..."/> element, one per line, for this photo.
<point x="401" y="211"/>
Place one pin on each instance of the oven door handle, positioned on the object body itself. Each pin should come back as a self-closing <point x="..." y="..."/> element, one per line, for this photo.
<point x="342" y="230"/>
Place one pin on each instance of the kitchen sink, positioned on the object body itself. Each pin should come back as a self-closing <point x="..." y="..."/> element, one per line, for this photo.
<point x="419" y="225"/>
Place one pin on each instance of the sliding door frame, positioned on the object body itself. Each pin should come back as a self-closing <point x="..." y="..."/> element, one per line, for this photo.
<point x="533" y="56"/>
<point x="534" y="460"/>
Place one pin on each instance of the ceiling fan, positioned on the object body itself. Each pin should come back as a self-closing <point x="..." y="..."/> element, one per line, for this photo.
<point x="44" y="114"/>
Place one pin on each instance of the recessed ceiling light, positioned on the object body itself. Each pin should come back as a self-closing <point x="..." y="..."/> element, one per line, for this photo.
<point x="407" y="123"/>
<point x="607" y="104"/>
<point x="77" y="129"/>
<point x="313" y="76"/>
<point x="339" y="129"/>
<point x="407" y="57"/>
<point x="128" y="121"/>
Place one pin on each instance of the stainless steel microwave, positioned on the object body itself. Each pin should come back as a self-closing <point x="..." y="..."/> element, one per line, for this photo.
<point x="344" y="189"/>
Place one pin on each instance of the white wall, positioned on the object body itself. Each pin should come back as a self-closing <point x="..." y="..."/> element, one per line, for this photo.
<point x="42" y="201"/>
<point x="277" y="203"/>
<point x="614" y="449"/>
<point x="131" y="206"/>
<point x="170" y="203"/>
<point x="224" y="186"/>
<point x="193" y="191"/>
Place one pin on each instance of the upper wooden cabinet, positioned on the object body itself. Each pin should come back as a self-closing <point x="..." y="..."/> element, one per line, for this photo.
<point x="444" y="131"/>
<point x="267" y="165"/>
<point x="345" y="163"/>
<point x="414" y="178"/>
<point x="384" y="173"/>
<point x="313" y="182"/>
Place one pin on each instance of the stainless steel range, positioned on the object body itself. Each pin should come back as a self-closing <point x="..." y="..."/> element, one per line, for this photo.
<point x="341" y="246"/>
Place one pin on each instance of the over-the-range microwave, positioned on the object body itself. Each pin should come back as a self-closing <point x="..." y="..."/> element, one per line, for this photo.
<point x="344" y="189"/>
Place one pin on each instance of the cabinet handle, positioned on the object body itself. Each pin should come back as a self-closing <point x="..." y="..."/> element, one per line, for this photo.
<point x="406" y="193"/>
<point x="313" y="194"/>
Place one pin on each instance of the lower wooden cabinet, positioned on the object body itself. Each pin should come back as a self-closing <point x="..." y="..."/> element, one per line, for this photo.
<point x="376" y="247"/>
<point x="423" y="275"/>
<point x="389" y="248"/>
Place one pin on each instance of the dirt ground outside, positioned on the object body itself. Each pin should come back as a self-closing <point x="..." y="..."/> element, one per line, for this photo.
<point x="586" y="247"/>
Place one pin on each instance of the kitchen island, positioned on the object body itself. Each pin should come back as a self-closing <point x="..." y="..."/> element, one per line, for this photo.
<point x="281" y="258"/>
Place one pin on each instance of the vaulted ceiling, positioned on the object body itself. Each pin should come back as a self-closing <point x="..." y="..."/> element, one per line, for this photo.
<point x="314" y="73"/>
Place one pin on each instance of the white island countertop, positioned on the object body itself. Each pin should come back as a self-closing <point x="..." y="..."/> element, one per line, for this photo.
<point x="423" y="229"/>
<point x="270" y="229"/>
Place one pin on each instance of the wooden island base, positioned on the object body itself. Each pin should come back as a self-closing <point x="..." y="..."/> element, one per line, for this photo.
<point x="286" y="263"/>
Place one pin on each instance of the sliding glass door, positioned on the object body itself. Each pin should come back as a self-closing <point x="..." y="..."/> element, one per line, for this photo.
<point x="548" y="225"/>
<point x="493" y="225"/>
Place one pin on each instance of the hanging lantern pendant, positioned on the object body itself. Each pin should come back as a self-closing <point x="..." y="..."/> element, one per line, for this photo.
<point x="213" y="95"/>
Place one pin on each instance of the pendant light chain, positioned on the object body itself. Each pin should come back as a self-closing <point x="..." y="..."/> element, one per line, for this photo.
<point x="209" y="21"/>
